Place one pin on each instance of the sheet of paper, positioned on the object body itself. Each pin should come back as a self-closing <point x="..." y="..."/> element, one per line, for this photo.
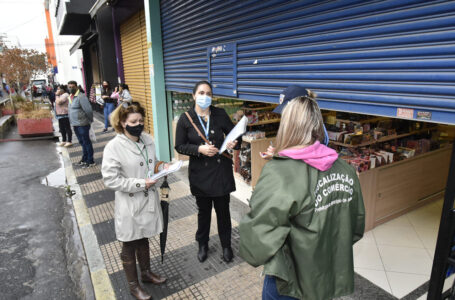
<point x="237" y="131"/>
<point x="172" y="168"/>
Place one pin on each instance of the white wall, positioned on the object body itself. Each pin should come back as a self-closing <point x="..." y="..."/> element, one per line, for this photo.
<point x="69" y="66"/>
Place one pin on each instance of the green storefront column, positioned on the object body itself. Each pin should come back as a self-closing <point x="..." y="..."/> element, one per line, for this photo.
<point x="157" y="86"/>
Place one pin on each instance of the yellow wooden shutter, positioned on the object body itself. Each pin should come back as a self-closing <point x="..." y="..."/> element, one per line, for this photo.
<point x="133" y="36"/>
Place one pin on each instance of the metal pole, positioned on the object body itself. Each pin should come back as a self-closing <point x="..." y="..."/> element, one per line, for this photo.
<point x="445" y="237"/>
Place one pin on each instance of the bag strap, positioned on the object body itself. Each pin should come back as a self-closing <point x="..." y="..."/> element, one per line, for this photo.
<point x="201" y="135"/>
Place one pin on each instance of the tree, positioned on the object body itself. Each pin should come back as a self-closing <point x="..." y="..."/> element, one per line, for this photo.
<point x="20" y="65"/>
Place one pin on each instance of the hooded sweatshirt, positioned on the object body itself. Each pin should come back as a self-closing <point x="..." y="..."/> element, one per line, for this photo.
<point x="317" y="155"/>
<point x="306" y="213"/>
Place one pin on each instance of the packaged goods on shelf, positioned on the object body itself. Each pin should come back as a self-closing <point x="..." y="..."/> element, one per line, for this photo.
<point x="253" y="135"/>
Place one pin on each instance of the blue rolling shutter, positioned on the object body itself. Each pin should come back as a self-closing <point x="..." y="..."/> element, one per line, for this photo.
<point x="373" y="57"/>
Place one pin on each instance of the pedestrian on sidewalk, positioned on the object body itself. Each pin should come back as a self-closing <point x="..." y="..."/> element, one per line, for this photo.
<point x="125" y="95"/>
<point x="128" y="159"/>
<point x="61" y="113"/>
<point x="210" y="174"/>
<point x="81" y="116"/>
<point x="109" y="103"/>
<point x="306" y="212"/>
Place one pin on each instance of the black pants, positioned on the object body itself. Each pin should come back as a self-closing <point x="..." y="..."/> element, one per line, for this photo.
<point x="223" y="217"/>
<point x="65" y="129"/>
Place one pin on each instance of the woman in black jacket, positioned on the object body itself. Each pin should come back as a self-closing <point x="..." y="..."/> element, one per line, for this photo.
<point x="210" y="174"/>
<point x="109" y="103"/>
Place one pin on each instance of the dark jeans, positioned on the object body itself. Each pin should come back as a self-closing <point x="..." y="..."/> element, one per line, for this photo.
<point x="270" y="292"/>
<point x="84" y="139"/>
<point x="65" y="129"/>
<point x="223" y="217"/>
<point x="108" y="108"/>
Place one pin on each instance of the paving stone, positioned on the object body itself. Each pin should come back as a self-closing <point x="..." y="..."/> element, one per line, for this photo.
<point x="98" y="198"/>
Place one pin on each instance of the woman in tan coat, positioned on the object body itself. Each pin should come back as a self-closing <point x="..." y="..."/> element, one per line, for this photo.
<point x="128" y="161"/>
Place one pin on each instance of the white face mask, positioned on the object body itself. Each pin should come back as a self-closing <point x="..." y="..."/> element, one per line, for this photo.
<point x="203" y="101"/>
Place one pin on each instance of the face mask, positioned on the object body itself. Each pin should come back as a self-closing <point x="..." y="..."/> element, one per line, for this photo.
<point x="73" y="91"/>
<point x="203" y="101"/>
<point x="135" y="130"/>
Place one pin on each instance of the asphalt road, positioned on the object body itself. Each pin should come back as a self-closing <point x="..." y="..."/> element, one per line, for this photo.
<point x="33" y="260"/>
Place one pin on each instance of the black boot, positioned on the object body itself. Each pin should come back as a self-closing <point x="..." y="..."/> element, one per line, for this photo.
<point x="227" y="254"/>
<point x="129" y="266"/>
<point x="202" y="253"/>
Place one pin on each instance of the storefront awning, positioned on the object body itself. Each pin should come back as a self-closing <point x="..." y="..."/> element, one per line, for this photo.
<point x="84" y="39"/>
<point x="76" y="19"/>
<point x="96" y="7"/>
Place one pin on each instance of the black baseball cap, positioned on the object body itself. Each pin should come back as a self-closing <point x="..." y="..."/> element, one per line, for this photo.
<point x="288" y="94"/>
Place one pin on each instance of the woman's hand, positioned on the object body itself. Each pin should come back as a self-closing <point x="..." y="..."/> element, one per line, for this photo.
<point x="166" y="166"/>
<point x="231" y="145"/>
<point x="149" y="182"/>
<point x="208" y="150"/>
<point x="270" y="150"/>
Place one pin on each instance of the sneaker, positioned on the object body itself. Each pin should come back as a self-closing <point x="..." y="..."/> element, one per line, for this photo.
<point x="104" y="130"/>
<point x="68" y="144"/>
<point x="80" y="163"/>
<point x="61" y="144"/>
<point x="88" y="165"/>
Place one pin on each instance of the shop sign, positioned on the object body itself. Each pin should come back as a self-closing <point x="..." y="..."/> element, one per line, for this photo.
<point x="406" y="113"/>
<point x="424" y="115"/>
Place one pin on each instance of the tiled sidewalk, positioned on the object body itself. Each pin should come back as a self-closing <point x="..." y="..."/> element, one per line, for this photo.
<point x="187" y="278"/>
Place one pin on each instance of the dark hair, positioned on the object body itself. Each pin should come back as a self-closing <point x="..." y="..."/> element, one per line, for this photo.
<point x="108" y="83"/>
<point x="124" y="86"/>
<point x="64" y="88"/>
<point x="120" y="114"/>
<point x="199" y="83"/>
<point x="72" y="82"/>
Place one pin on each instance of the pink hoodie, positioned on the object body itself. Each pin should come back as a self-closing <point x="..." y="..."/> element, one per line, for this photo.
<point x="318" y="156"/>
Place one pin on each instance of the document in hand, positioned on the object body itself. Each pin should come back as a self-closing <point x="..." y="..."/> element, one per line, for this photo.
<point x="172" y="168"/>
<point x="237" y="131"/>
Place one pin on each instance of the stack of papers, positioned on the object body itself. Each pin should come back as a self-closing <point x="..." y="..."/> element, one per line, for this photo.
<point x="172" y="168"/>
<point x="237" y="131"/>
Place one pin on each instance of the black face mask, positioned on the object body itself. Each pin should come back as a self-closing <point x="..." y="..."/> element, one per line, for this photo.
<point x="135" y="130"/>
<point x="73" y="91"/>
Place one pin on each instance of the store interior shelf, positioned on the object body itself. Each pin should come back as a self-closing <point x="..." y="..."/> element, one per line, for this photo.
<point x="372" y="120"/>
<point x="265" y="122"/>
<point x="383" y="139"/>
<point x="269" y="107"/>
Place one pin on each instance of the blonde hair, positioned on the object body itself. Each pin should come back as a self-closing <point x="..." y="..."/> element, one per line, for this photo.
<point x="120" y="114"/>
<point x="301" y="123"/>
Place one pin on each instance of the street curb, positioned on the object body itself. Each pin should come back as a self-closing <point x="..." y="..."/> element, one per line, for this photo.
<point x="100" y="279"/>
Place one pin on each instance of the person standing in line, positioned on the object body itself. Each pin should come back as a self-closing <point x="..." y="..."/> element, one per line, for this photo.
<point x="81" y="116"/>
<point x="61" y="113"/>
<point x="51" y="95"/>
<point x="109" y="103"/>
<point x="210" y="174"/>
<point x="116" y="94"/>
<point x="307" y="210"/>
<point x="124" y="93"/>
<point x="128" y="160"/>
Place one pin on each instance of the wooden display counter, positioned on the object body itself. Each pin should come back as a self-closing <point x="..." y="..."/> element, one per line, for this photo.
<point x="391" y="190"/>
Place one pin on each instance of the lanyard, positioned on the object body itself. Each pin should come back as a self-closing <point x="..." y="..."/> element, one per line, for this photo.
<point x="206" y="128"/>
<point x="145" y="157"/>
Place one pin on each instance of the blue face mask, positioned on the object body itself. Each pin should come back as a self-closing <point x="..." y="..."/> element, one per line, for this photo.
<point x="203" y="101"/>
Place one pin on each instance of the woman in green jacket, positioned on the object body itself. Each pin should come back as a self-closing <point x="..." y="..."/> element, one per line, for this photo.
<point x="307" y="210"/>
